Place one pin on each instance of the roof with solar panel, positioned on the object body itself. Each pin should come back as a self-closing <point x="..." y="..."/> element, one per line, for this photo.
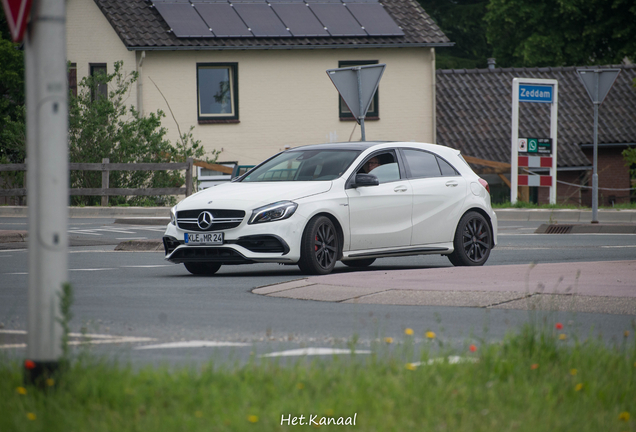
<point x="271" y="24"/>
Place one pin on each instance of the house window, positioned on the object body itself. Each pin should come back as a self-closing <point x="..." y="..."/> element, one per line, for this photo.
<point x="373" y="113"/>
<point x="98" y="70"/>
<point x="72" y="78"/>
<point x="217" y="92"/>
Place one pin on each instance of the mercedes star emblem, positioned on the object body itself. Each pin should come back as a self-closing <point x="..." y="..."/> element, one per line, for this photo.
<point x="205" y="220"/>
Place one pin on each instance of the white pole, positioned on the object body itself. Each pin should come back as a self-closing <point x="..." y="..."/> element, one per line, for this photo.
<point x="47" y="134"/>
<point x="514" y="142"/>
<point x="554" y="117"/>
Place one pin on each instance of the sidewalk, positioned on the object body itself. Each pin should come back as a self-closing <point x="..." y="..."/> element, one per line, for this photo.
<point x="599" y="287"/>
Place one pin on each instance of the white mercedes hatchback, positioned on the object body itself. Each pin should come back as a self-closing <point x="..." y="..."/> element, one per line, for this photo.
<point x="352" y="202"/>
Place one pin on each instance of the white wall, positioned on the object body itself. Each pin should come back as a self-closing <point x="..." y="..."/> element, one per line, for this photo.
<point x="285" y="96"/>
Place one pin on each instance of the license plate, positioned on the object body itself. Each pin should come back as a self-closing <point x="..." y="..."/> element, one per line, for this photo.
<point x="204" y="238"/>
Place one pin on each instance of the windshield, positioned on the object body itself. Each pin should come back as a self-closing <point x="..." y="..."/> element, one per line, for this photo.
<point x="304" y="165"/>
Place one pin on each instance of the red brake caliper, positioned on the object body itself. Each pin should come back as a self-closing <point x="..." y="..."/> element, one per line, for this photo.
<point x="316" y="246"/>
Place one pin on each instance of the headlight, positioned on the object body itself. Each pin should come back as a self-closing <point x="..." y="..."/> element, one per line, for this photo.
<point x="173" y="217"/>
<point x="273" y="212"/>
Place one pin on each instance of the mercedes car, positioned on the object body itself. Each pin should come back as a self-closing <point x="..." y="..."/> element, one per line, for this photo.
<point x="315" y="205"/>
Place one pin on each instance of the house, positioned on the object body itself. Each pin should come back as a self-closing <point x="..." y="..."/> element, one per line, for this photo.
<point x="250" y="75"/>
<point x="474" y="115"/>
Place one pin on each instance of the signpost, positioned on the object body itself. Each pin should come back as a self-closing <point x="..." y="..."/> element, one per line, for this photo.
<point x="17" y="13"/>
<point x="357" y="85"/>
<point x="598" y="83"/>
<point x="534" y="91"/>
<point x="47" y="149"/>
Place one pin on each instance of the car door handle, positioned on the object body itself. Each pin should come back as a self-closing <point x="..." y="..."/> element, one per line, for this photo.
<point x="451" y="183"/>
<point x="400" y="189"/>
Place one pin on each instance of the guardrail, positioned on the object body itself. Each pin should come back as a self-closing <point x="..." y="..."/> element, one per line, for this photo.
<point x="105" y="167"/>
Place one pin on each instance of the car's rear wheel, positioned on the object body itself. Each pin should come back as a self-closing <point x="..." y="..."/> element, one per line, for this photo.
<point x="319" y="247"/>
<point x="202" y="268"/>
<point x="359" y="263"/>
<point x="473" y="241"/>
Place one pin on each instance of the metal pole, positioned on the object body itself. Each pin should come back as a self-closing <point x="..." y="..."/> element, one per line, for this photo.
<point x="514" y="142"/>
<point x="47" y="134"/>
<point x="595" y="166"/>
<point x="361" y="118"/>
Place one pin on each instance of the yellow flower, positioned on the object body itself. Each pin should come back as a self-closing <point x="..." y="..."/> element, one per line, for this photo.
<point x="624" y="416"/>
<point x="409" y="332"/>
<point x="252" y="418"/>
<point x="300" y="386"/>
<point x="626" y="334"/>
<point x="573" y="372"/>
<point x="388" y="340"/>
<point x="32" y="416"/>
<point x="578" y="387"/>
<point x="563" y="336"/>
<point x="330" y="412"/>
<point x="411" y="366"/>
<point x="21" y="390"/>
<point x="198" y="414"/>
<point x="430" y="335"/>
<point x="50" y="382"/>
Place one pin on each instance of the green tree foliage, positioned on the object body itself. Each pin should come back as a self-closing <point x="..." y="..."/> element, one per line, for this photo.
<point x="105" y="127"/>
<point x="463" y="22"/>
<point x="529" y="33"/>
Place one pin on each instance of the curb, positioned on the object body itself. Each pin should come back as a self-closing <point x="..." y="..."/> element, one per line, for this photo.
<point x="140" y="246"/>
<point x="7" y="236"/>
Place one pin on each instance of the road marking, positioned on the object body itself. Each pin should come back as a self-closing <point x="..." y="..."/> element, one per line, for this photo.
<point x="314" y="351"/>
<point x="86" y="338"/>
<point x="192" y="344"/>
<point x="92" y="269"/>
<point x="131" y="238"/>
<point x="148" y="266"/>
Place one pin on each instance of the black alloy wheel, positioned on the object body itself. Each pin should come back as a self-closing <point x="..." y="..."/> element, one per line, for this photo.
<point x="320" y="247"/>
<point x="202" y="269"/>
<point x="473" y="241"/>
<point x="366" y="262"/>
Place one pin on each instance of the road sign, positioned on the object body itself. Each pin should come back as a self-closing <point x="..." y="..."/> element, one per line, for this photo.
<point x="523" y="145"/>
<point x="535" y="145"/>
<point x="598" y="82"/>
<point x="535" y="93"/>
<point x="357" y="85"/>
<point x="17" y="13"/>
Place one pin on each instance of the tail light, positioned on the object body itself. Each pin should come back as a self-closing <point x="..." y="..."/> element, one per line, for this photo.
<point x="485" y="184"/>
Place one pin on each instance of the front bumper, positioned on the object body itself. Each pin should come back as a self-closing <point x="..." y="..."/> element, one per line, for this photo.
<point x="268" y="242"/>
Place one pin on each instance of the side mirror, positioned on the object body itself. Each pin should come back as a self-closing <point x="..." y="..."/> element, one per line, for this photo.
<point x="364" y="180"/>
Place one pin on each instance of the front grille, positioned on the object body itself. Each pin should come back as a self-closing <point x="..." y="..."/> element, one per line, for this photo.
<point x="264" y="244"/>
<point x="222" y="219"/>
<point x="208" y="254"/>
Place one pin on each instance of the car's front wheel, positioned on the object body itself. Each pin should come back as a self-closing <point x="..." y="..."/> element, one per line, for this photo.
<point x="319" y="247"/>
<point x="202" y="268"/>
<point x="473" y="241"/>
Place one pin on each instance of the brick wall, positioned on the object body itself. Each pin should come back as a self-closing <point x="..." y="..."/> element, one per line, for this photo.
<point x="612" y="173"/>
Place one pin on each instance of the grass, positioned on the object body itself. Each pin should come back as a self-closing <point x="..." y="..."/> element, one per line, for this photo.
<point x="534" y="380"/>
<point x="527" y="205"/>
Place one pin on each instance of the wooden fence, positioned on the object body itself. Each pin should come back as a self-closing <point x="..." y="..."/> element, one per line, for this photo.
<point x="105" y="167"/>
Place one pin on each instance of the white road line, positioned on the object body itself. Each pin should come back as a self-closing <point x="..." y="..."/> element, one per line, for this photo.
<point x="87" y="338"/>
<point x="192" y="344"/>
<point x="92" y="269"/>
<point x="131" y="238"/>
<point x="314" y="351"/>
<point x="148" y="266"/>
<point x="20" y="273"/>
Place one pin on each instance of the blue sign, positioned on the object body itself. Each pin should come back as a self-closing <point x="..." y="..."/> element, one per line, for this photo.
<point x="535" y="93"/>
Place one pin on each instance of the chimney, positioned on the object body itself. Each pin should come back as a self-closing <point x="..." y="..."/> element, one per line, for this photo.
<point x="491" y="63"/>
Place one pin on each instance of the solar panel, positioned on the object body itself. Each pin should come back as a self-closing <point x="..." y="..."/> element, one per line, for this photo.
<point x="223" y="20"/>
<point x="183" y="20"/>
<point x="375" y="19"/>
<point x="261" y="20"/>
<point x="337" y="18"/>
<point x="299" y="19"/>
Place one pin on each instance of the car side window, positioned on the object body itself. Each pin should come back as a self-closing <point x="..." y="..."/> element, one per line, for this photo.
<point x="422" y="164"/>
<point x="383" y="165"/>
<point x="447" y="169"/>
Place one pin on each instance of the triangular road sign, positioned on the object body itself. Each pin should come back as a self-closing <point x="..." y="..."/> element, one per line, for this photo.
<point x="17" y="13"/>
<point x="598" y="82"/>
<point x="346" y="82"/>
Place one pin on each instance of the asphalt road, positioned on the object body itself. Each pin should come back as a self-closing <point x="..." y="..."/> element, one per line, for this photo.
<point x="135" y="300"/>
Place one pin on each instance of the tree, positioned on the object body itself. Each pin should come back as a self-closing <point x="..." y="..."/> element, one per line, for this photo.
<point x="530" y="33"/>
<point x="105" y="127"/>
<point x="463" y="22"/>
